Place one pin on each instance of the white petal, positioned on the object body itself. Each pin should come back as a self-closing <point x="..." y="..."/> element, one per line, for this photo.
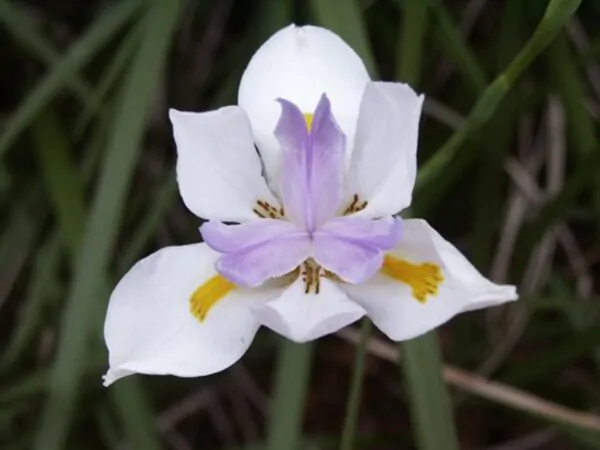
<point x="393" y="309"/>
<point x="384" y="162"/>
<point x="303" y="317"/>
<point x="218" y="168"/>
<point x="299" y="64"/>
<point x="149" y="328"/>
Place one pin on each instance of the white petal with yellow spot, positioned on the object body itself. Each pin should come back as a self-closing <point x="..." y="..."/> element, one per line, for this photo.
<point x="151" y="325"/>
<point x="397" y="309"/>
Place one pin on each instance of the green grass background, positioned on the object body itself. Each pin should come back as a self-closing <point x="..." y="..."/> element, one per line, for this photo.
<point x="509" y="172"/>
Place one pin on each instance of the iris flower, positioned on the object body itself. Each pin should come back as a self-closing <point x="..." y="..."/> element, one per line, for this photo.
<point x="302" y="236"/>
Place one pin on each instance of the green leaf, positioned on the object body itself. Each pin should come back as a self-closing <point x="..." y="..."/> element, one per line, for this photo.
<point x="431" y="410"/>
<point x="291" y="385"/>
<point x="358" y="373"/>
<point x="413" y="32"/>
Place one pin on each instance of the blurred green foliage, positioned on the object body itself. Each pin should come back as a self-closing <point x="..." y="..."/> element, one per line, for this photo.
<point x="509" y="161"/>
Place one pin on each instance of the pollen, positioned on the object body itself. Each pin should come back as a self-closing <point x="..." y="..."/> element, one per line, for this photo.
<point x="265" y="210"/>
<point x="309" y="120"/>
<point x="355" y="206"/>
<point x="311" y="274"/>
<point x="424" y="279"/>
<point x="208" y="294"/>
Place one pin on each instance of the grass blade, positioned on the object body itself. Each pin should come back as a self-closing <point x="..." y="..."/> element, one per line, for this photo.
<point x="60" y="176"/>
<point x="41" y="286"/>
<point x="291" y="385"/>
<point x="102" y="224"/>
<point x="353" y="404"/>
<point x="431" y="410"/>
<point x="99" y="33"/>
<point x="66" y="190"/>
<point x="556" y="15"/>
<point x="26" y="34"/>
<point x="414" y="26"/>
<point x="452" y="41"/>
<point x="111" y="75"/>
<point x="498" y="134"/>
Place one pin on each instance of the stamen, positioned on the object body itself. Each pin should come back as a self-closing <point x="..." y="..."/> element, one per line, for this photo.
<point x="355" y="206"/>
<point x="311" y="274"/>
<point x="208" y="294"/>
<point x="265" y="210"/>
<point x="424" y="279"/>
<point x="309" y="119"/>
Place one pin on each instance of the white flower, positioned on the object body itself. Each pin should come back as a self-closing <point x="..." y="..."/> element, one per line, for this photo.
<point x="316" y="245"/>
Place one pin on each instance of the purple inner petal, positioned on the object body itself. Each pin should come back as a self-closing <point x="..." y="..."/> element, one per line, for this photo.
<point x="311" y="187"/>
<point x="292" y="135"/>
<point x="353" y="248"/>
<point x="236" y="238"/>
<point x="382" y="233"/>
<point x="325" y="164"/>
<point x="312" y="164"/>
<point x="270" y="259"/>
<point x="354" y="262"/>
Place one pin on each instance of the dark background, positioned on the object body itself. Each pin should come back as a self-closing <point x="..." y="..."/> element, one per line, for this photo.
<point x="87" y="187"/>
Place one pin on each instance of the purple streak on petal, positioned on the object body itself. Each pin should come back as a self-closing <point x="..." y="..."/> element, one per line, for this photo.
<point x="273" y="258"/>
<point x="381" y="233"/>
<point x="292" y="135"/>
<point x="325" y="164"/>
<point x="353" y="248"/>
<point x="312" y="164"/>
<point x="235" y="238"/>
<point x="352" y="261"/>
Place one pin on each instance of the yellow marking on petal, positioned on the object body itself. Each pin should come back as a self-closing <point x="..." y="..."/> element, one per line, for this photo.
<point x="208" y="294"/>
<point x="309" y="119"/>
<point x="424" y="279"/>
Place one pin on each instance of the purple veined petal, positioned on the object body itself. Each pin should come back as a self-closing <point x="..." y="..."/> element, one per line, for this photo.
<point x="382" y="233"/>
<point x="353" y="248"/>
<point x="269" y="259"/>
<point x="312" y="171"/>
<point x="236" y="238"/>
<point x="326" y="164"/>
<point x="292" y="135"/>
<point x="354" y="262"/>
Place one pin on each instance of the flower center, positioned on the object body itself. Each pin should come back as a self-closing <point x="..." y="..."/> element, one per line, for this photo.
<point x="311" y="274"/>
<point x="424" y="279"/>
<point x="208" y="294"/>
